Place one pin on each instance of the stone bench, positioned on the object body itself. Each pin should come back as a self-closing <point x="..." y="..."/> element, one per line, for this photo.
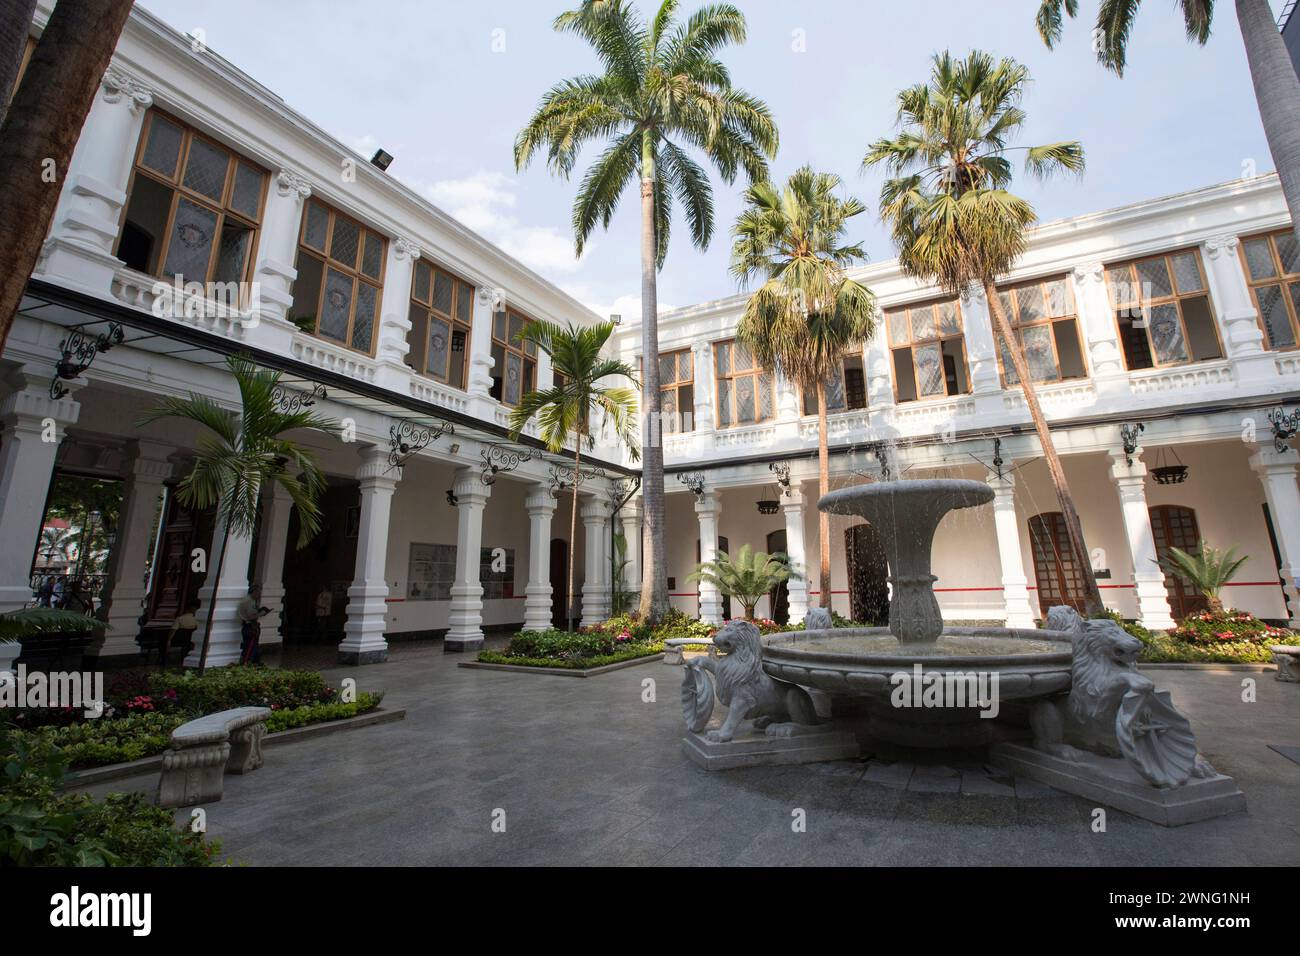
<point x="204" y="750"/>
<point x="1287" y="659"/>
<point x="674" y="646"/>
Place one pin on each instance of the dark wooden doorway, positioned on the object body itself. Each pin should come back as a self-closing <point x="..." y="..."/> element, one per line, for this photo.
<point x="1057" y="574"/>
<point x="173" y="582"/>
<point x="1174" y="526"/>
<point x="868" y="571"/>
<point x="779" y="597"/>
<point x="559" y="583"/>
<point x="724" y="547"/>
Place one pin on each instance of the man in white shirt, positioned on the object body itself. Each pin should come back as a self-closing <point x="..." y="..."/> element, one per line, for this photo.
<point x="250" y="614"/>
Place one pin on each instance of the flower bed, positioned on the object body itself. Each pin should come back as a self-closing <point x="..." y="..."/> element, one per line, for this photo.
<point x="592" y="647"/>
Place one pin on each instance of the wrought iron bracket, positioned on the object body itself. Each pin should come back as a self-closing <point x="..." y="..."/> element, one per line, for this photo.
<point x="694" y="481"/>
<point x="781" y="470"/>
<point x="291" y="401"/>
<point x="78" y="353"/>
<point x="621" y="490"/>
<point x="1128" y="434"/>
<point x="406" y="438"/>
<point x="499" y="459"/>
<point x="1284" y="427"/>
<point x="563" y="477"/>
<point x="998" y="461"/>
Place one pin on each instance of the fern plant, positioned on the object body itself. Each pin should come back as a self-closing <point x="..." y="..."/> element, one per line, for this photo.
<point x="747" y="578"/>
<point x="1206" y="569"/>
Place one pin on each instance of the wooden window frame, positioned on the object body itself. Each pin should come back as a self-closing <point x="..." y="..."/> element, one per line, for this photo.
<point x="526" y="353"/>
<point x="221" y="208"/>
<point x="913" y="343"/>
<point x="1282" y="279"/>
<point x="676" y="385"/>
<point x="757" y="372"/>
<point x="353" y="272"/>
<point x="453" y="321"/>
<point x="1175" y="299"/>
<point x="1014" y="291"/>
<point x="806" y="395"/>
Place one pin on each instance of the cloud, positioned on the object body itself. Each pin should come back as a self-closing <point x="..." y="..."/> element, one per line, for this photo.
<point x="485" y="202"/>
<point x="628" y="306"/>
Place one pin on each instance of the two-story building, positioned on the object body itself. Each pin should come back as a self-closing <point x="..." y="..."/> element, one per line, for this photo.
<point x="202" y="218"/>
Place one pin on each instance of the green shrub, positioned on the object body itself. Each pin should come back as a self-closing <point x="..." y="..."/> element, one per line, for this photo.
<point x="319" y="713"/>
<point x="1132" y="627"/>
<point x="223" y="688"/>
<point x="1167" y="649"/>
<point x="1207" y="628"/>
<point x="572" y="663"/>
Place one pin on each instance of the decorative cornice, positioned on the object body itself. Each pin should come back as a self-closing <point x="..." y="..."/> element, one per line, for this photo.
<point x="117" y="83"/>
<point x="406" y="249"/>
<point x="1219" y="245"/>
<point x="287" y="183"/>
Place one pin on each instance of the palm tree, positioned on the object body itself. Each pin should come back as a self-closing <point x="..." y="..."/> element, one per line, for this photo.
<point x="1206" y="569"/>
<point x="663" y="90"/>
<point x="43" y="124"/>
<point x="807" y="313"/>
<point x="243" y="452"/>
<point x="748" y="578"/>
<point x="1277" y="88"/>
<point x="954" y="221"/>
<point x="56" y="543"/>
<point x="563" y="411"/>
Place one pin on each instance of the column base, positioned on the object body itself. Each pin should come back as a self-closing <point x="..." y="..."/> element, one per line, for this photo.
<point x="458" y="645"/>
<point x="356" y="658"/>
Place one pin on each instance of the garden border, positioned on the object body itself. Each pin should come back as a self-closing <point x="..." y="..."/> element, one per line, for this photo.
<point x="562" y="671"/>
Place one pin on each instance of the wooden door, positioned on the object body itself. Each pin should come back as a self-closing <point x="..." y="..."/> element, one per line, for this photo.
<point x="779" y="597"/>
<point x="1058" y="576"/>
<point x="1174" y="526"/>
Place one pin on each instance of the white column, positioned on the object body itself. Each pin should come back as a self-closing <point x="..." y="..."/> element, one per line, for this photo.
<point x="632" y="518"/>
<point x="465" y="630"/>
<point x="148" y="470"/>
<point x="80" y="245"/>
<point x="1015" y="587"/>
<point x="1277" y="473"/>
<point x="480" y="342"/>
<point x="702" y="356"/>
<point x="271" y="545"/>
<point x="793" y="506"/>
<point x="395" y="319"/>
<point x="595" y="587"/>
<point x="1243" y="340"/>
<point x="540" y="505"/>
<point x="34" y="425"/>
<point x="981" y="351"/>
<point x="1097" y="320"/>
<point x="1148" y="578"/>
<point x="363" y="641"/>
<point x="222" y="598"/>
<point x="277" y="246"/>
<point x="880" y="373"/>
<point x="708" y="507"/>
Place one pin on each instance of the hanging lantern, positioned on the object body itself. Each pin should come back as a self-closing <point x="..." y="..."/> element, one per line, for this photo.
<point x="768" y="506"/>
<point x="1166" y="474"/>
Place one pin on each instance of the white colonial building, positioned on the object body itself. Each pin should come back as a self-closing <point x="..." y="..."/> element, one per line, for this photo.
<point x="1178" y="315"/>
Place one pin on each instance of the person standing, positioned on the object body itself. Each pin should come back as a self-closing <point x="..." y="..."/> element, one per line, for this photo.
<point x="324" y="609"/>
<point x="250" y="614"/>
<point x="183" y="627"/>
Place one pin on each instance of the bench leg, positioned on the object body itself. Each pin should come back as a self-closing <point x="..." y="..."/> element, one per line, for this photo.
<point x="193" y="775"/>
<point x="246" y="749"/>
<point x="1288" y="668"/>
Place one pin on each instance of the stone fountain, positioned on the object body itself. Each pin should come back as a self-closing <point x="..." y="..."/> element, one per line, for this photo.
<point x="1097" y="727"/>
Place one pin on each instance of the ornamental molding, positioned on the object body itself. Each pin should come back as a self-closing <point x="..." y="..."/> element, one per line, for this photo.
<point x="118" y="84"/>
<point x="1219" y="245"/>
<point x="1089" y="272"/>
<point x="288" y="183"/>
<point x="406" y="249"/>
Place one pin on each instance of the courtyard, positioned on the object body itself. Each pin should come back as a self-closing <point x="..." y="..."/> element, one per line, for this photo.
<point x="589" y="774"/>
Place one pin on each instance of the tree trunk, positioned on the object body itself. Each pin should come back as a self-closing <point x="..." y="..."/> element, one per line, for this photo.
<point x="1073" y="527"/>
<point x="43" y="124"/>
<point x="15" y="26"/>
<point x="654" y="579"/>
<point x="212" y="605"/>
<point x="1277" y="91"/>
<point x="573" y="529"/>
<point x="823" y="488"/>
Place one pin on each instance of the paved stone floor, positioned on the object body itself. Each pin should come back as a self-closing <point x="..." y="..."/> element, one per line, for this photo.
<point x="586" y="772"/>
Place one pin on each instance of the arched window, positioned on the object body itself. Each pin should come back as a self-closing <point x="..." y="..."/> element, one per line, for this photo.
<point x="1057" y="573"/>
<point x="1174" y="526"/>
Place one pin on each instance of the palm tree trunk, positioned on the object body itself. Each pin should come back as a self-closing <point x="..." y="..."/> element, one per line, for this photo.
<point x="42" y="126"/>
<point x="212" y="605"/>
<point x="1277" y="92"/>
<point x="1073" y="526"/>
<point x="823" y="488"/>
<point x="654" y="580"/>
<point x="573" y="529"/>
<point x="15" y="24"/>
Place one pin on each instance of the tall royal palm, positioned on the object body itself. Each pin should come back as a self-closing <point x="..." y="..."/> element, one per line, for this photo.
<point x="564" y="411"/>
<point x="662" y="92"/>
<point x="1277" y="88"/>
<point x="955" y="222"/>
<point x="807" y="313"/>
<point x="241" y="453"/>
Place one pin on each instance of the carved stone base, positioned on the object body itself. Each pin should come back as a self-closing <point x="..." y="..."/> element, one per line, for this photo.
<point x="1287" y="659"/>
<point x="457" y="645"/>
<point x="1111" y="781"/>
<point x="759" y="749"/>
<point x="358" y="658"/>
<point x="193" y="776"/>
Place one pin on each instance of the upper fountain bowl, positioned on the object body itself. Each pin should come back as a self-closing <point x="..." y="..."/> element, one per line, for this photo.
<point x="886" y="502"/>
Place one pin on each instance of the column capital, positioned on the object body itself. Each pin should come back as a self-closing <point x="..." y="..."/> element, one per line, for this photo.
<point x="594" y="510"/>
<point x="406" y="248"/>
<point x="1129" y="478"/>
<point x="117" y="85"/>
<point x="291" y="185"/>
<point x="376" y="470"/>
<point x="1004" y="485"/>
<point x="31" y="402"/>
<point x="708" y="503"/>
<point x="1222" y="244"/>
<point x="149" y="461"/>
<point x="468" y="487"/>
<point x="1270" y="461"/>
<point x="1090" y="272"/>
<point x="540" y="502"/>
<point x="792" y="500"/>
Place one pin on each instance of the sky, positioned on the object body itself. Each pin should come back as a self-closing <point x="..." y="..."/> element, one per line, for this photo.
<point x="445" y="86"/>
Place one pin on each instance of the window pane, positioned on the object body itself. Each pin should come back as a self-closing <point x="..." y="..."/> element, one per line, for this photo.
<point x="766" y="396"/>
<point x="724" y="402"/>
<point x="1069" y="354"/>
<point x="1272" y="309"/>
<point x="456" y="368"/>
<point x="1153" y="277"/>
<point x="343" y="244"/>
<point x="1281" y="334"/>
<point x="1008" y="366"/>
<point x="1202" y="336"/>
<point x="246" y="194"/>
<point x="146" y="224"/>
<point x="835" y="393"/>
<point x="372" y="258"/>
<point x="929" y="370"/>
<point x="1259" y="259"/>
<point x="162" y="151"/>
<point x="745" y="409"/>
<point x="922" y="323"/>
<point x="337" y="306"/>
<point x="192" y="236"/>
<point x="1058" y="299"/>
<point x="205" y="169"/>
<point x="498" y="371"/>
<point x="904" y="377"/>
<point x="363" y="323"/>
<point x="1030" y="303"/>
<point x="1288" y="252"/>
<point x="1007" y="303"/>
<point x="514" y="375"/>
<point x="464" y="300"/>
<point x="742" y="361"/>
<point x="722" y="356"/>
<point x="685" y="366"/>
<point x="899" y="333"/>
<point x="668" y="405"/>
<point x="1167" y="335"/>
<point x="306" y="292"/>
<point x="1187" y="273"/>
<point x="423" y="279"/>
<point x="1037" y="343"/>
<point x="417" y="338"/>
<point x="317" y="225"/>
<point x="516" y="326"/>
<point x="442" y="291"/>
<point x="686" y="404"/>
<point x="667" y="369"/>
<point x="439" y="348"/>
<point x="949" y="321"/>
<point x="499" y="326"/>
<point x="232" y="254"/>
<point x="1119" y="282"/>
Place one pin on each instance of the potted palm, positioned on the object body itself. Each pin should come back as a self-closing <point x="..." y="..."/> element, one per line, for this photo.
<point x="747" y="578"/>
<point x="1206" y="569"/>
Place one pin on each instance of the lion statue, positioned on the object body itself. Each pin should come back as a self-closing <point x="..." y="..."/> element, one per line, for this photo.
<point x="1113" y="710"/>
<point x="818" y="619"/>
<point x="744" y="687"/>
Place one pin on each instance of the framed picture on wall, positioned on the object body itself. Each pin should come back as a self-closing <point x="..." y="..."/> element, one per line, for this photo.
<point x="354" y="521"/>
<point x="431" y="571"/>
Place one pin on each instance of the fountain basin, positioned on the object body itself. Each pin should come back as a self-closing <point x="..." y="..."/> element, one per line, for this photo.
<point x="865" y="663"/>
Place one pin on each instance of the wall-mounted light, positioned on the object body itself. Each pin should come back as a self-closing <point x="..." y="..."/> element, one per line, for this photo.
<point x="381" y="159"/>
<point x="451" y="498"/>
<point x="455" y="448"/>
